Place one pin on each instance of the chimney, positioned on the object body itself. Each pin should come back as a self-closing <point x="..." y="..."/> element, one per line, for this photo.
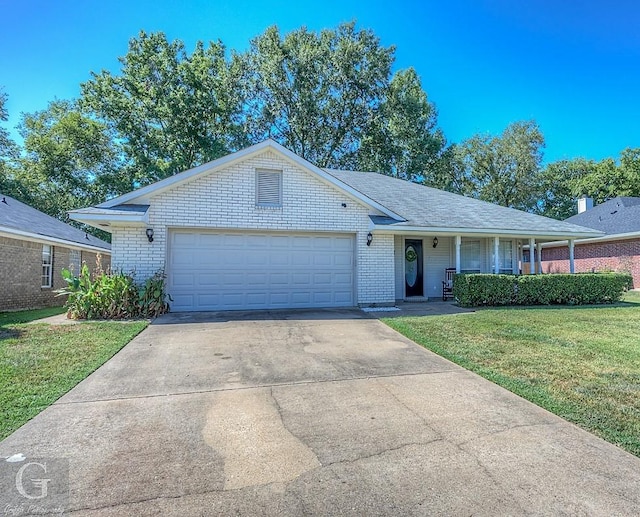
<point x="585" y="203"/>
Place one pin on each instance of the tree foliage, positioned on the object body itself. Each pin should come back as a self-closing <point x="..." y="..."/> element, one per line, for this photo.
<point x="502" y="169"/>
<point x="317" y="94"/>
<point x="170" y="110"/>
<point x="405" y="140"/>
<point x="9" y="153"/>
<point x="69" y="160"/>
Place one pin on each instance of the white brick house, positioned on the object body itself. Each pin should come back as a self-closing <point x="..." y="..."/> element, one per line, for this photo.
<point x="263" y="228"/>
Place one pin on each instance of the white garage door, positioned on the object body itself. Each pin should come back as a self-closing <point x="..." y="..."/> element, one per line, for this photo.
<point x="226" y="271"/>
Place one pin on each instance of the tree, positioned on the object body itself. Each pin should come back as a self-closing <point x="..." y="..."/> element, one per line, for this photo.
<point x="404" y="140"/>
<point x="560" y="186"/>
<point x="9" y="153"/>
<point x="504" y="169"/>
<point x="316" y="94"/>
<point x="70" y="160"/>
<point x="170" y="110"/>
<point x="609" y="179"/>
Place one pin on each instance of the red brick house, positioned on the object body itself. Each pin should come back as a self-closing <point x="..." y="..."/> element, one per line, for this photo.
<point x="618" y="250"/>
<point x="34" y="248"/>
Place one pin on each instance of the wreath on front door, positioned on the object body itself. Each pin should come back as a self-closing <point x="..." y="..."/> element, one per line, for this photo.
<point x="411" y="255"/>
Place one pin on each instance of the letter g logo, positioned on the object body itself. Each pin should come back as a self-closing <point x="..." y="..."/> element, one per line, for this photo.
<point x="37" y="483"/>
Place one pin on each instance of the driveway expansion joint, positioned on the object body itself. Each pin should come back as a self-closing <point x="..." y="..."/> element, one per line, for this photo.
<point x="61" y="402"/>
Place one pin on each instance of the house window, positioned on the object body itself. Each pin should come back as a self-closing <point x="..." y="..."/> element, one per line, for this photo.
<point x="47" y="261"/>
<point x="74" y="262"/>
<point x="268" y="188"/>
<point x="505" y="257"/>
<point x="470" y="257"/>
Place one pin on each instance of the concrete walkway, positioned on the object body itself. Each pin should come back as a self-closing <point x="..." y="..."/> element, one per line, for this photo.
<point x="313" y="413"/>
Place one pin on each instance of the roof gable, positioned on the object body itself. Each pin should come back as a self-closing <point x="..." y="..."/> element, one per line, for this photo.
<point x="21" y="219"/>
<point x="143" y="195"/>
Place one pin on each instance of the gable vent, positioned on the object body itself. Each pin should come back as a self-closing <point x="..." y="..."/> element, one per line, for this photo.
<point x="268" y="188"/>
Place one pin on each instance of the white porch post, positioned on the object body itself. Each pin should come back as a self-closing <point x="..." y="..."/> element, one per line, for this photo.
<point x="496" y="258"/>
<point x="532" y="254"/>
<point x="539" y="257"/>
<point x="458" y="244"/>
<point x="572" y="266"/>
<point x="520" y="257"/>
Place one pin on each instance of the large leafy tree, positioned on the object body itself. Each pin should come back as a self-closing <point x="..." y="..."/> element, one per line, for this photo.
<point x="560" y="186"/>
<point x="70" y="160"/>
<point x="170" y="110"/>
<point x="609" y="179"/>
<point x="9" y="153"/>
<point x="503" y="169"/>
<point x="403" y="139"/>
<point x="316" y="93"/>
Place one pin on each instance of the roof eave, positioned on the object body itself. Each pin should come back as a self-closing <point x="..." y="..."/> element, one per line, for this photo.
<point x="104" y="220"/>
<point x="45" y="239"/>
<point x="605" y="238"/>
<point x="486" y="232"/>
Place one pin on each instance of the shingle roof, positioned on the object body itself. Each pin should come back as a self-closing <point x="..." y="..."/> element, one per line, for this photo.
<point x="429" y="207"/>
<point x="618" y="215"/>
<point x="18" y="216"/>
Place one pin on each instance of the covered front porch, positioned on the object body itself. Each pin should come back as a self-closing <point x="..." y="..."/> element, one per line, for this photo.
<point x="421" y="260"/>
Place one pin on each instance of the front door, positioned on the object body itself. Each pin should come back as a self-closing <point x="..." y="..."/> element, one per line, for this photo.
<point x="413" y="284"/>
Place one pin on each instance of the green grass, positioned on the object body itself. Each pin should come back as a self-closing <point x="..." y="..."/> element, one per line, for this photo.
<point x="581" y="363"/>
<point x="39" y="362"/>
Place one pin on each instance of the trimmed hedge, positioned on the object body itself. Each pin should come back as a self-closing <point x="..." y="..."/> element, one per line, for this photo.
<point x="475" y="290"/>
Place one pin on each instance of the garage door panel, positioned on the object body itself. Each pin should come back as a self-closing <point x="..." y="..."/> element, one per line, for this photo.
<point x="322" y="259"/>
<point x="225" y="271"/>
<point x="300" y="259"/>
<point x="279" y="258"/>
<point x="342" y="260"/>
<point x="343" y="280"/>
<point x="343" y="296"/>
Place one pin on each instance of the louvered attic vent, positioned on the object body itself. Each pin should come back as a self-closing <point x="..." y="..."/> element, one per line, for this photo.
<point x="268" y="188"/>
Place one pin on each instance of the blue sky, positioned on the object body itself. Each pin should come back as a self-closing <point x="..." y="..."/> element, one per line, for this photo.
<point x="573" y="66"/>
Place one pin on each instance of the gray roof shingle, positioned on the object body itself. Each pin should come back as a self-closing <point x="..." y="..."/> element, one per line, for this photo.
<point x="18" y="216"/>
<point x="618" y="215"/>
<point x="430" y="207"/>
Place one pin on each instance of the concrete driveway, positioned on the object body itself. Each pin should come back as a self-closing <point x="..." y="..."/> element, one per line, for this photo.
<point x="309" y="413"/>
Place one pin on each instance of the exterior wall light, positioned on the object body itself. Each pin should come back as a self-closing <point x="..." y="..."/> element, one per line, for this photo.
<point x="149" y="233"/>
<point x="369" y="238"/>
<point x="435" y="242"/>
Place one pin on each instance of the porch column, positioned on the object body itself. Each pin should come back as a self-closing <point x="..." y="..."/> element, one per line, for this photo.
<point x="496" y="258"/>
<point x="520" y="257"/>
<point x="572" y="266"/>
<point x="540" y="257"/>
<point x="532" y="255"/>
<point x="458" y="244"/>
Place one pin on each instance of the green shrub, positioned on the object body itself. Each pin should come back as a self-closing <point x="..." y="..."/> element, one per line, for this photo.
<point x="113" y="296"/>
<point x="475" y="290"/>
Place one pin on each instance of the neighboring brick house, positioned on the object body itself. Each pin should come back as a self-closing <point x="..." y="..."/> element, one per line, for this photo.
<point x="263" y="228"/>
<point x="34" y="248"/>
<point x="618" y="250"/>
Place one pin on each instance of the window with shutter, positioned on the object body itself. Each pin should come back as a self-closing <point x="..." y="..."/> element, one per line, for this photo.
<point x="268" y="188"/>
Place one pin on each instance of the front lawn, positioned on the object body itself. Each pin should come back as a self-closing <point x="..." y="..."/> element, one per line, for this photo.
<point x="581" y="363"/>
<point x="39" y="362"/>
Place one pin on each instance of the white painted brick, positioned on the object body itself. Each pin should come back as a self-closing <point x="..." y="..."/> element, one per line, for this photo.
<point x="226" y="199"/>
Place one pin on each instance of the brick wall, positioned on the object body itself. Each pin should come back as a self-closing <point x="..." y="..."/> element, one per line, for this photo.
<point x="622" y="256"/>
<point x="225" y="199"/>
<point x="21" y="274"/>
